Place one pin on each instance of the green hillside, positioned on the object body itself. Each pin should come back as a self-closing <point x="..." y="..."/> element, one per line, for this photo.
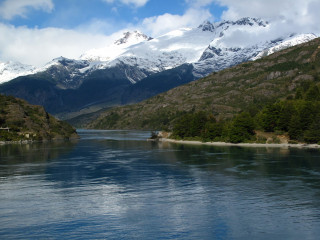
<point x="21" y="121"/>
<point x="246" y="87"/>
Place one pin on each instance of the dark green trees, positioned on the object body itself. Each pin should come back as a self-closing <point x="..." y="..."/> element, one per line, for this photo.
<point x="298" y="117"/>
<point x="205" y="127"/>
<point x="242" y="128"/>
<point x="192" y="125"/>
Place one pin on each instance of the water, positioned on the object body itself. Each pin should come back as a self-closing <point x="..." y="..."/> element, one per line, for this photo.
<point x="116" y="185"/>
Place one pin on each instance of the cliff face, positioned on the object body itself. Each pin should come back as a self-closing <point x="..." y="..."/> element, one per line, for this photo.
<point x="20" y="120"/>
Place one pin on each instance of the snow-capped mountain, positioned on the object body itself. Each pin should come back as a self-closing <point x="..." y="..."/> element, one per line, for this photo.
<point x="114" y="50"/>
<point x="209" y="47"/>
<point x="10" y="70"/>
<point x="136" y="67"/>
<point x="285" y="43"/>
<point x="218" y="56"/>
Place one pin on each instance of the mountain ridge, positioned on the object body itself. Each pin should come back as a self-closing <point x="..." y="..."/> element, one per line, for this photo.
<point x="185" y="45"/>
<point x="67" y="86"/>
<point x="248" y="86"/>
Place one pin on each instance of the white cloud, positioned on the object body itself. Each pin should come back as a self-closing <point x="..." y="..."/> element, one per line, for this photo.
<point x="158" y="25"/>
<point x="11" y="8"/>
<point x="291" y="15"/>
<point x="39" y="46"/>
<point x="135" y="3"/>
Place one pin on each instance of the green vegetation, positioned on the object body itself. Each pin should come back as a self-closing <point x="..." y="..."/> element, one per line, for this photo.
<point x="204" y="127"/>
<point x="22" y="121"/>
<point x="298" y="119"/>
<point x="290" y="75"/>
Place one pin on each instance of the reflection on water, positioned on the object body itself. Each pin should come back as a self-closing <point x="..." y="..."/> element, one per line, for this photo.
<point x="116" y="185"/>
<point x="21" y="158"/>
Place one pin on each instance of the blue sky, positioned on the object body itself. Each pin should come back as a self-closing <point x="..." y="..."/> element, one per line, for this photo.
<point x="72" y="13"/>
<point x="117" y="15"/>
<point x="70" y="27"/>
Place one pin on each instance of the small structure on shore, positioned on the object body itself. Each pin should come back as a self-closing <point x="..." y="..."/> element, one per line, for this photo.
<point x="156" y="136"/>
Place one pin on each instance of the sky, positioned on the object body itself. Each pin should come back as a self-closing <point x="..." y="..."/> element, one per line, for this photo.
<point x="36" y="31"/>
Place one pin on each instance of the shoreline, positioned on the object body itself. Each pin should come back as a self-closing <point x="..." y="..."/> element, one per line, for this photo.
<point x="37" y="141"/>
<point x="17" y="142"/>
<point x="225" y="144"/>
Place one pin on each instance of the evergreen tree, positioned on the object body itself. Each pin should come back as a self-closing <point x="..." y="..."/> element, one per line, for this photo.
<point x="285" y="115"/>
<point x="198" y="122"/>
<point x="312" y="135"/>
<point x="268" y="118"/>
<point x="307" y="114"/>
<point x="182" y="126"/>
<point x="313" y="93"/>
<point x="242" y="128"/>
<point x="294" y="128"/>
<point x="212" y="131"/>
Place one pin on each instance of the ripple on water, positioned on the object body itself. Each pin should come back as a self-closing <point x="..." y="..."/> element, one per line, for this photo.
<point x="114" y="185"/>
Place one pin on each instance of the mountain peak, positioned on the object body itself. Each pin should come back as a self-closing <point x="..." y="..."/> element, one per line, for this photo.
<point x="132" y="37"/>
<point x="206" y="26"/>
<point x="246" y="21"/>
<point x="251" y="21"/>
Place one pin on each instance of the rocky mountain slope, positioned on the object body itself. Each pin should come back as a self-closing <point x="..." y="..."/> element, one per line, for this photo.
<point x="21" y="121"/>
<point x="136" y="66"/>
<point x="247" y="86"/>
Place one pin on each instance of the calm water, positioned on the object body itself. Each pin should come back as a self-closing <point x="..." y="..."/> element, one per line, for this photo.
<point x="115" y="185"/>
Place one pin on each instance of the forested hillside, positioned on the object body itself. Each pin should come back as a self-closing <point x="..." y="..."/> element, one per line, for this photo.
<point x="292" y="120"/>
<point x="21" y="121"/>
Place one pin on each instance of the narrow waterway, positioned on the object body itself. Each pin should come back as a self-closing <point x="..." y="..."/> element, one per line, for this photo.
<point x="116" y="185"/>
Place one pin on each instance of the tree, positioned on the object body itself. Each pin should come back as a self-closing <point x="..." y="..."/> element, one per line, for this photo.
<point x="307" y="114"/>
<point x="212" y="130"/>
<point x="182" y="126"/>
<point x="295" y="129"/>
<point x="313" y="93"/>
<point x="285" y="115"/>
<point x="242" y="128"/>
<point x="312" y="135"/>
<point x="268" y="118"/>
<point x="198" y="122"/>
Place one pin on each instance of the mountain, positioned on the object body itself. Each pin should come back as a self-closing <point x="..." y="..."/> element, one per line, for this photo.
<point x="10" y="70"/>
<point x="20" y="120"/>
<point x="209" y="47"/>
<point x="248" y="86"/>
<point x="114" y="50"/>
<point x="136" y="66"/>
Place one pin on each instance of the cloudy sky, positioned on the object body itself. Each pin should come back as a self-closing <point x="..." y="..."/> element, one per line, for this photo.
<point x="36" y="31"/>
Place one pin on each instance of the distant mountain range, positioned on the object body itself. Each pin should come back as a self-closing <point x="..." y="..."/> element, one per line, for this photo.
<point x="136" y="67"/>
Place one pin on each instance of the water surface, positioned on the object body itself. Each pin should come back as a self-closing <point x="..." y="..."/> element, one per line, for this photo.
<point x="116" y="185"/>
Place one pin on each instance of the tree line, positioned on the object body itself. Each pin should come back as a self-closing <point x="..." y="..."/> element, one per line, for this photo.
<point x="298" y="117"/>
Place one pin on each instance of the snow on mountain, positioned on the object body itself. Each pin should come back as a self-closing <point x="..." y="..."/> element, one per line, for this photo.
<point x="68" y="73"/>
<point x="167" y="51"/>
<point x="286" y="43"/>
<point x="240" y="41"/>
<point x="10" y="70"/>
<point x="116" y="49"/>
<point x="210" y="47"/>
